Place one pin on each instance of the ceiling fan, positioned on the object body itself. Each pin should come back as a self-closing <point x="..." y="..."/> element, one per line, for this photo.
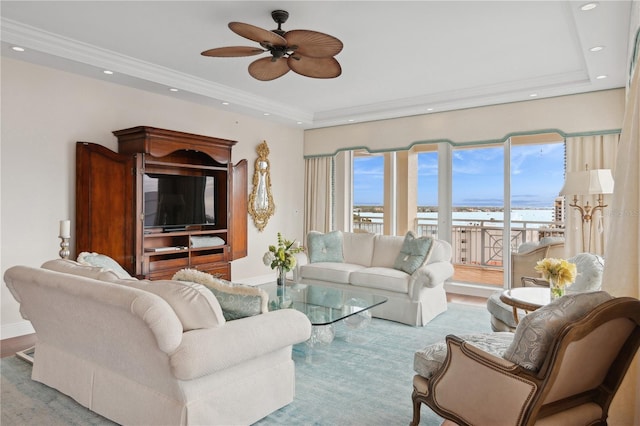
<point x="306" y="52"/>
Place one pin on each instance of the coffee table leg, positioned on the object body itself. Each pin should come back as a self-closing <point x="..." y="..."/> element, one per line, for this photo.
<point x="321" y="335"/>
<point x="356" y="322"/>
<point x="515" y="315"/>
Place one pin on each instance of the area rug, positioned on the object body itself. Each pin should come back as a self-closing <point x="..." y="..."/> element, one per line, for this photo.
<point x="362" y="378"/>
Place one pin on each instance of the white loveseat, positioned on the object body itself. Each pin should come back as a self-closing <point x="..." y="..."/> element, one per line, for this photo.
<point x="368" y="263"/>
<point x="165" y="356"/>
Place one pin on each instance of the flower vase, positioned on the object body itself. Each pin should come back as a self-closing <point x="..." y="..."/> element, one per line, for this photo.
<point x="557" y="290"/>
<point x="283" y="299"/>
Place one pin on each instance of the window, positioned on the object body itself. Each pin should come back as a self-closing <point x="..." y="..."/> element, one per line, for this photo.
<point x="490" y="203"/>
<point x="537" y="176"/>
<point x="368" y="192"/>
<point x="427" y="210"/>
<point x="478" y="206"/>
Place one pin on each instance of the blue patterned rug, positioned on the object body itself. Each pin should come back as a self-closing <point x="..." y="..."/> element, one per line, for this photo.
<point x="363" y="378"/>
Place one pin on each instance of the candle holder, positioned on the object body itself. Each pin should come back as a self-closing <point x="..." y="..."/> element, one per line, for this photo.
<point x="64" y="247"/>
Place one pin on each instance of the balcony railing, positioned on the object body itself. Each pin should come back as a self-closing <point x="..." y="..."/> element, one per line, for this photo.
<point x="474" y="242"/>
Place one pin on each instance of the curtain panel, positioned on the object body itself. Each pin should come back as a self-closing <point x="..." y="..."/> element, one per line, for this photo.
<point x="622" y="266"/>
<point x="592" y="152"/>
<point x="318" y="178"/>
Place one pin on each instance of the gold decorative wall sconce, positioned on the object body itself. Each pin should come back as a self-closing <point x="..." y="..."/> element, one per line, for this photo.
<point x="261" y="205"/>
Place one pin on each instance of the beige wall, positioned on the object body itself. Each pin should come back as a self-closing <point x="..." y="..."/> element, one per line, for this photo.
<point x="587" y="112"/>
<point x="45" y="111"/>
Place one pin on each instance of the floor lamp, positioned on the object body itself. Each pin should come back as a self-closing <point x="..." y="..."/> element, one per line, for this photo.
<point x="589" y="182"/>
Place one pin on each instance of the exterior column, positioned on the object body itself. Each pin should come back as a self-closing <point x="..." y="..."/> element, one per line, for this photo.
<point x="406" y="191"/>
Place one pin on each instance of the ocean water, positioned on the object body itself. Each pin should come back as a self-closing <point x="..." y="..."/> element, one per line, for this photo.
<point x="524" y="215"/>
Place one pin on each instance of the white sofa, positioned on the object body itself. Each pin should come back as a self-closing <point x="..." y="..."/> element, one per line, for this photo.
<point x="154" y="353"/>
<point x="365" y="264"/>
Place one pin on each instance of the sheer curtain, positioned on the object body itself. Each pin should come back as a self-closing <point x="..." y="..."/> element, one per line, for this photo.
<point x="318" y="193"/>
<point x="622" y="266"/>
<point x="594" y="152"/>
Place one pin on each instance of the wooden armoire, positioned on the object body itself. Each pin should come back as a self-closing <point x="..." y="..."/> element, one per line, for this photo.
<point x="165" y="201"/>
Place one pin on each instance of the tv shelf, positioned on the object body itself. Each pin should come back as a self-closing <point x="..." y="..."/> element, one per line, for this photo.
<point x="110" y="203"/>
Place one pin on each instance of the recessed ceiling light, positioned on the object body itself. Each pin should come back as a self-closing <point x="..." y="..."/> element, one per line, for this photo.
<point x="533" y="95"/>
<point x="18" y="48"/>
<point x="351" y="120"/>
<point x="225" y="103"/>
<point x="266" y="113"/>
<point x="596" y="48"/>
<point x="588" y="6"/>
<point x="107" y="72"/>
<point x="173" y="89"/>
<point x="299" y="122"/>
<point x="601" y="77"/>
<point x="429" y="109"/>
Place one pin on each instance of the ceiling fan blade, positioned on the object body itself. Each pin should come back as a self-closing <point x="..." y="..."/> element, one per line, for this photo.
<point x="233" y="51"/>
<point x="257" y="34"/>
<point x="266" y="69"/>
<point x="313" y="44"/>
<point x="315" y="67"/>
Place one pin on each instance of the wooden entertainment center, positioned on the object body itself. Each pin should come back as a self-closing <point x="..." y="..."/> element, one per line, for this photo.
<point x="114" y="206"/>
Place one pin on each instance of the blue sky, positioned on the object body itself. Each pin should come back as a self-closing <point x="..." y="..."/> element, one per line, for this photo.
<point x="537" y="175"/>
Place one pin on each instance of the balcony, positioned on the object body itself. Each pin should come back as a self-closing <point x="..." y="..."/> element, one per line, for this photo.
<point x="477" y="244"/>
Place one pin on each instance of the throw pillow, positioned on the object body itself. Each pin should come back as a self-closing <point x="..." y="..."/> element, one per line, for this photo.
<point x="194" y="305"/>
<point x="590" y="270"/>
<point x="72" y="267"/>
<point x="236" y="300"/>
<point x="535" y="332"/>
<point x="95" y="259"/>
<point x="325" y="247"/>
<point x="413" y="253"/>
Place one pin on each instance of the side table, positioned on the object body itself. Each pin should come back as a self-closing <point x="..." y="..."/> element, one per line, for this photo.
<point x="527" y="298"/>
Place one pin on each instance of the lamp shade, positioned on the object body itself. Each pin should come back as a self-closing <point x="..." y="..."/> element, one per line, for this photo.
<point x="588" y="182"/>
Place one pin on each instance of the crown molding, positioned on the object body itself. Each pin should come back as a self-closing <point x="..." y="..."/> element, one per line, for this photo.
<point x="53" y="46"/>
<point x="515" y="91"/>
<point x="76" y="51"/>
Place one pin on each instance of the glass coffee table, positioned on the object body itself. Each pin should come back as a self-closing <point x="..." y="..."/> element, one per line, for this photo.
<point x="324" y="306"/>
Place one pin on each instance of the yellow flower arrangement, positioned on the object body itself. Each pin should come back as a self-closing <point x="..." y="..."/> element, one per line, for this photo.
<point x="559" y="273"/>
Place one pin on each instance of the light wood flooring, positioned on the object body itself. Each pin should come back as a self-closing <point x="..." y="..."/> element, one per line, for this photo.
<point x="10" y="346"/>
<point x="478" y="275"/>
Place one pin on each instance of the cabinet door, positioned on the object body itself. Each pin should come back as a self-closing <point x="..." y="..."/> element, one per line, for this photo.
<point x="238" y="210"/>
<point x="105" y="209"/>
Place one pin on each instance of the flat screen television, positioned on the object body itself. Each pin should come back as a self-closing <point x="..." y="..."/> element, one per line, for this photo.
<point x="174" y="202"/>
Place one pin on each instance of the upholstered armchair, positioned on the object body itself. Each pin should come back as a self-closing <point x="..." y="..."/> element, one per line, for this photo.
<point x="562" y="366"/>
<point x="590" y="268"/>
<point x="524" y="260"/>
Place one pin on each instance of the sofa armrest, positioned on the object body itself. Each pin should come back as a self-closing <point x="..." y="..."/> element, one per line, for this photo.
<point x="505" y="391"/>
<point x="301" y="260"/>
<point x="431" y="275"/>
<point x="206" y="351"/>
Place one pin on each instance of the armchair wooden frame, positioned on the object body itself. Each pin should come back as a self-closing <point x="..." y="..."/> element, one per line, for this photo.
<point x="474" y="387"/>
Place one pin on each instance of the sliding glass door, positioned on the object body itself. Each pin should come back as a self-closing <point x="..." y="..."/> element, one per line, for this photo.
<point x="477" y="217"/>
<point x="497" y="197"/>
